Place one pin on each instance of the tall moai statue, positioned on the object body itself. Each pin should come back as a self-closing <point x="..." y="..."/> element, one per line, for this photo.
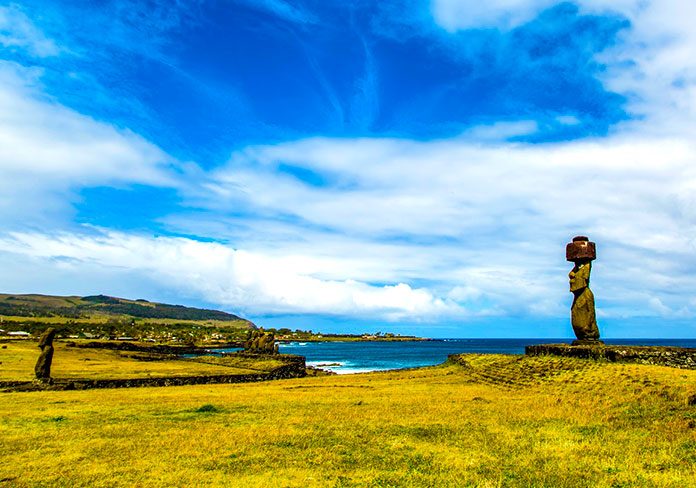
<point x="43" y="365"/>
<point x="582" y="313"/>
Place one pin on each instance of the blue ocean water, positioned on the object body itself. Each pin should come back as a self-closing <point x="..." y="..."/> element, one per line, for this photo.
<point x="358" y="357"/>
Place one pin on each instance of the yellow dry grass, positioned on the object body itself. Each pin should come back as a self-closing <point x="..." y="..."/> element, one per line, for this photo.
<point x="17" y="362"/>
<point x="489" y="421"/>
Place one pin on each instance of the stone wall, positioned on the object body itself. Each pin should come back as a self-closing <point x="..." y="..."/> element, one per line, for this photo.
<point x="675" y="357"/>
<point x="153" y="348"/>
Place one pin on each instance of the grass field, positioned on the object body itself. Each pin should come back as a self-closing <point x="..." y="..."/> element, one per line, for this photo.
<point x="17" y="362"/>
<point x="488" y="421"/>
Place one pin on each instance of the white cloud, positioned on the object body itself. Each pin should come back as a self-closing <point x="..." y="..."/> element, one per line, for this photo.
<point x="18" y="32"/>
<point x="480" y="227"/>
<point x="471" y="14"/>
<point x="500" y="131"/>
<point x="284" y="10"/>
<point x="248" y="281"/>
<point x="568" y="120"/>
<point x="652" y="64"/>
<point x="485" y="223"/>
<point x="448" y="188"/>
<point x="47" y="151"/>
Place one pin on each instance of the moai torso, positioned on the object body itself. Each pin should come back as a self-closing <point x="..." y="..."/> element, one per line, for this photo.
<point x="582" y="311"/>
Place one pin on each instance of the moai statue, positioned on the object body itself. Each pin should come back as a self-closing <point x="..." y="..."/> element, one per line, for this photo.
<point x="260" y="342"/>
<point x="582" y="313"/>
<point x="43" y="365"/>
<point x="270" y="347"/>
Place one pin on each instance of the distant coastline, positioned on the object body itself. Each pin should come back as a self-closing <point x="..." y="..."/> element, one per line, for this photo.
<point x="354" y="338"/>
<point x="102" y="317"/>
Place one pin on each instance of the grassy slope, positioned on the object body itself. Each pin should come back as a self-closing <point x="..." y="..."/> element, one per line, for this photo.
<point x="494" y="421"/>
<point x="9" y="320"/>
<point x="41" y="300"/>
<point x="18" y="359"/>
<point x="104" y="316"/>
<point x="100" y="307"/>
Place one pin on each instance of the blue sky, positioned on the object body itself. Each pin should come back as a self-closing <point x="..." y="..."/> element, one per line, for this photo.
<point x="349" y="166"/>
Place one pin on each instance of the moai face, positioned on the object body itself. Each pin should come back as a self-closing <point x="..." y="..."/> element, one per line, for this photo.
<point x="581" y="252"/>
<point x="580" y="276"/>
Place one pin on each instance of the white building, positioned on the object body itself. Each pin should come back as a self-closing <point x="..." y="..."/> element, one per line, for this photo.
<point x="19" y="333"/>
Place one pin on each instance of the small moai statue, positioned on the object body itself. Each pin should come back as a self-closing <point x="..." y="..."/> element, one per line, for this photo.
<point x="582" y="312"/>
<point x="43" y="364"/>
<point x="260" y="342"/>
<point x="271" y="346"/>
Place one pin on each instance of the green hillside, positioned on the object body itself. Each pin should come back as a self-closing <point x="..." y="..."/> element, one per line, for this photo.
<point x="100" y="305"/>
<point x="101" y="316"/>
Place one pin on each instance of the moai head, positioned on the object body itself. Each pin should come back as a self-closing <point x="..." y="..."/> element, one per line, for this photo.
<point x="581" y="252"/>
<point x="47" y="337"/>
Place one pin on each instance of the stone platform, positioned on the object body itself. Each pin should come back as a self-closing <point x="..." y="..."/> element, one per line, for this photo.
<point x="675" y="357"/>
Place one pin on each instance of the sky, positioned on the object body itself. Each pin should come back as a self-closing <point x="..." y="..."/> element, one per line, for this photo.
<point x="349" y="166"/>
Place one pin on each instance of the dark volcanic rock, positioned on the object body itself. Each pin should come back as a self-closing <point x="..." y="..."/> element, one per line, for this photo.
<point x="153" y="348"/>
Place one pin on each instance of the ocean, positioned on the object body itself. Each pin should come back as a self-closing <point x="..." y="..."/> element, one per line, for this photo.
<point x="359" y="357"/>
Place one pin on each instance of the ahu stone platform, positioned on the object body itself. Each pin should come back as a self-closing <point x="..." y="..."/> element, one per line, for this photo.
<point x="675" y="357"/>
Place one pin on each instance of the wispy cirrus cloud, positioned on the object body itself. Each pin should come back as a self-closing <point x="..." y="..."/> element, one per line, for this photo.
<point x="650" y="63"/>
<point x="284" y="10"/>
<point x="470" y="14"/>
<point x="48" y="151"/>
<point x="17" y="31"/>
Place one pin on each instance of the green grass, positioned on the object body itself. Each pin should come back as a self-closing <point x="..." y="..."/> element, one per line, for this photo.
<point x="485" y="421"/>
<point x="32" y="305"/>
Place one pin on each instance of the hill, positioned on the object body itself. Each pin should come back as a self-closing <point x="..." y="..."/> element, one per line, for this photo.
<point x="101" y="316"/>
<point x="100" y="305"/>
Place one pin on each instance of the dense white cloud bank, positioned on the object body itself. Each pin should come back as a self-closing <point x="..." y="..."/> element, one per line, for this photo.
<point x="497" y="215"/>
<point x="243" y="280"/>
